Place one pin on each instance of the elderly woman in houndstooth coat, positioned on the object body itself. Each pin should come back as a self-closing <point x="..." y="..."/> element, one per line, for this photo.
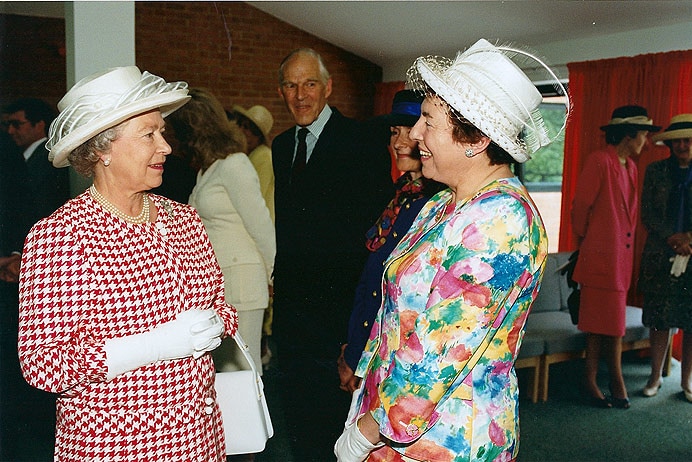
<point x="121" y="297"/>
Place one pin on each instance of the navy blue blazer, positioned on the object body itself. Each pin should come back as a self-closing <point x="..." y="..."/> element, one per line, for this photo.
<point x="368" y="297"/>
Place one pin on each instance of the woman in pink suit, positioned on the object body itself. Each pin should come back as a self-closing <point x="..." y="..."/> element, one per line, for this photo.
<point x="604" y="217"/>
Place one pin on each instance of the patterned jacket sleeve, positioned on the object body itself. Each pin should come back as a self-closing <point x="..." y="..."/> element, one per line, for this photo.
<point x="480" y="272"/>
<point x="55" y="351"/>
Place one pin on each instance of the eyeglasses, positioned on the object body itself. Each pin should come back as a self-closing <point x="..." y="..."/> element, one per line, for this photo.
<point x="14" y="123"/>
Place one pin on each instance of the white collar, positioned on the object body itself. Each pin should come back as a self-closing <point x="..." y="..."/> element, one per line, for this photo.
<point x="32" y="147"/>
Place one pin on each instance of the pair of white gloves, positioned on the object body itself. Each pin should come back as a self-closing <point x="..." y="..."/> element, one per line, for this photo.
<point x="679" y="264"/>
<point x="191" y="333"/>
<point x="352" y="446"/>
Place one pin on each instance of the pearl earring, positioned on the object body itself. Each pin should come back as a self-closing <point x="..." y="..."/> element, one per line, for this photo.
<point x="107" y="162"/>
<point x="469" y="153"/>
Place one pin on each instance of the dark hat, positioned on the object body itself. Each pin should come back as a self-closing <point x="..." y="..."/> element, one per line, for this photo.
<point x="630" y="117"/>
<point x="405" y="109"/>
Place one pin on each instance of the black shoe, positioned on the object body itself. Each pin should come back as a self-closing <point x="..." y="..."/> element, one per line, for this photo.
<point x="620" y="403"/>
<point x="592" y="400"/>
<point x="602" y="403"/>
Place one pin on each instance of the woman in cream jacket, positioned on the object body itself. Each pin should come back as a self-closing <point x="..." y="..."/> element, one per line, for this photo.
<point x="227" y="196"/>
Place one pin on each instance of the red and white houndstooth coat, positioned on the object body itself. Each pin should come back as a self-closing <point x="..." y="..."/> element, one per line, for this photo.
<point x="88" y="276"/>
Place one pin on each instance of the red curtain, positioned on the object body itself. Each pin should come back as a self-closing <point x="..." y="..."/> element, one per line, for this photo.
<point x="661" y="82"/>
<point x="384" y="95"/>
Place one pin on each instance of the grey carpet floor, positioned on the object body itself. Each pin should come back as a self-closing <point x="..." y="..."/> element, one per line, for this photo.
<point x="565" y="428"/>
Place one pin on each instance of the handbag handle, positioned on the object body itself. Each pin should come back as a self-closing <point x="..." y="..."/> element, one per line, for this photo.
<point x="244" y="348"/>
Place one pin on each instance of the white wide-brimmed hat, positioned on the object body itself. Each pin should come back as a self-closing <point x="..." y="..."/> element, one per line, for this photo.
<point x="680" y="128"/>
<point x="105" y="99"/>
<point x="489" y="90"/>
<point x="258" y="115"/>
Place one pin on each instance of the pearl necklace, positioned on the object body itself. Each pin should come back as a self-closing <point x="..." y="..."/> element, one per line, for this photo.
<point x="143" y="216"/>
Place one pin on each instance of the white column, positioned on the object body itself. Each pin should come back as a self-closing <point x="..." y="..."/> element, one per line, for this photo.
<point x="99" y="35"/>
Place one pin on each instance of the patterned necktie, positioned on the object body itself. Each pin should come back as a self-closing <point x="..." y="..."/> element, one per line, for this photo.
<point x="301" y="153"/>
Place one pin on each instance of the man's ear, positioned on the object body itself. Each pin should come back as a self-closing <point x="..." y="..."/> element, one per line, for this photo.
<point x="328" y="88"/>
<point x="43" y="126"/>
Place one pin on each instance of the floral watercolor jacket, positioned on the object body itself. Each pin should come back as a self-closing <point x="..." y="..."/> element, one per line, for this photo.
<point x="439" y="365"/>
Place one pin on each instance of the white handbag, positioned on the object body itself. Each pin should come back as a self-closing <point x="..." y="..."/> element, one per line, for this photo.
<point x="240" y="394"/>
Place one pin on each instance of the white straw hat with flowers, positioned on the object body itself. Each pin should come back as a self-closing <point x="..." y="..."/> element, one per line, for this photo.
<point x="105" y="99"/>
<point x="484" y="86"/>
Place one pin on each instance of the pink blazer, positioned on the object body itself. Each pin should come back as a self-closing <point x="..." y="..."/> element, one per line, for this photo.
<point x="604" y="217"/>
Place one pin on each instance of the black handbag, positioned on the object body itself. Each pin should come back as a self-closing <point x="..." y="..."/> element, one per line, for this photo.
<point x="575" y="295"/>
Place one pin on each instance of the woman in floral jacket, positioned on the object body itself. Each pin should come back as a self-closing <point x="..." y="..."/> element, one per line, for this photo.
<point x="438" y="370"/>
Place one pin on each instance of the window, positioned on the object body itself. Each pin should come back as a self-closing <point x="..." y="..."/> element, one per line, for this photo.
<point x="542" y="174"/>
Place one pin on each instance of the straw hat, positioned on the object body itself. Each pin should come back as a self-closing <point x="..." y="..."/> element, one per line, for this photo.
<point x="630" y="117"/>
<point x="105" y="99"/>
<point x="680" y="127"/>
<point x="489" y="90"/>
<point x="260" y="116"/>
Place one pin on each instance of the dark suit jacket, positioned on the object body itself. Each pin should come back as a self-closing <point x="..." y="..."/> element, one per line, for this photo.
<point x="30" y="411"/>
<point x="49" y="186"/>
<point x="321" y="220"/>
<point x="14" y="195"/>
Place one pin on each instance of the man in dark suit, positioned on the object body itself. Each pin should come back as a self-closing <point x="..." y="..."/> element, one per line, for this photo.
<point x="28" y="120"/>
<point x="14" y="226"/>
<point x="30" y="189"/>
<point x="326" y="197"/>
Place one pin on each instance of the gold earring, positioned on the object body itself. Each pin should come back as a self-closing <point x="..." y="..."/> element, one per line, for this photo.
<point x="469" y="153"/>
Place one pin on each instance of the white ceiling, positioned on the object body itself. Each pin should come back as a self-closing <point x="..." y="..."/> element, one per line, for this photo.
<point x="393" y="33"/>
<point x="386" y="32"/>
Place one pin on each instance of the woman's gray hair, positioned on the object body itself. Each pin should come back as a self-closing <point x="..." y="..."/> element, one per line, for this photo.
<point x="85" y="157"/>
<point x="324" y="73"/>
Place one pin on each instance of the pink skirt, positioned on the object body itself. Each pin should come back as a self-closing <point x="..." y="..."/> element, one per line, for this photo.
<point x="602" y="311"/>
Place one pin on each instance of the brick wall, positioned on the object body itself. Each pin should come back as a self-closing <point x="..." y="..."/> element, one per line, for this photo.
<point x="235" y="49"/>
<point x="231" y="48"/>
<point x="32" y="58"/>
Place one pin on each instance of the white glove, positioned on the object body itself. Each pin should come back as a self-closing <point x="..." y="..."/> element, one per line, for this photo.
<point x="352" y="446"/>
<point x="679" y="264"/>
<point x="354" y="407"/>
<point x="191" y="333"/>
